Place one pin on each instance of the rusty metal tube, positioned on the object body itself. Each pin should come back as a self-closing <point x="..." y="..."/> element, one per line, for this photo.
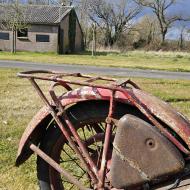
<point x="64" y="131"/>
<point x="57" y="167"/>
<point x="107" y="140"/>
<point x="83" y="148"/>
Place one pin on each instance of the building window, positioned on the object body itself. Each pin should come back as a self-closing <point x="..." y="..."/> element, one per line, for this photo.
<point x="23" y="33"/>
<point x="4" y="36"/>
<point x="42" y="38"/>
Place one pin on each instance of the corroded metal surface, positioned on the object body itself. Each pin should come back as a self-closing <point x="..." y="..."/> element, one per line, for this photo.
<point x="166" y="113"/>
<point x="141" y="154"/>
<point x="34" y="132"/>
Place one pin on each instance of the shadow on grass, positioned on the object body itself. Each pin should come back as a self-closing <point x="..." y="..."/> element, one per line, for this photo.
<point x="34" y="53"/>
<point x="177" y="100"/>
<point x="99" y="53"/>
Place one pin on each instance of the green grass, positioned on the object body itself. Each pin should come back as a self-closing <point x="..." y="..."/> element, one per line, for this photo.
<point x="18" y="104"/>
<point x="171" y="61"/>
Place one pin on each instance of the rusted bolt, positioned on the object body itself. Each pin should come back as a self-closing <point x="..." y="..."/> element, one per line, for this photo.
<point x="151" y="143"/>
<point x="108" y="120"/>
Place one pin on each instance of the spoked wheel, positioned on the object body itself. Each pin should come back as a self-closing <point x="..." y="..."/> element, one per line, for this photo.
<point x="89" y="120"/>
<point x="69" y="161"/>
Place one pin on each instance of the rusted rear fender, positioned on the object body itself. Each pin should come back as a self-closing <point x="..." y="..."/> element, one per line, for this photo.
<point x="166" y="113"/>
<point x="37" y="127"/>
<point x="34" y="133"/>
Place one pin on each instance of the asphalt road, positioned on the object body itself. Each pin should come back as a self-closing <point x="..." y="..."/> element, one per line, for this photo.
<point x="96" y="70"/>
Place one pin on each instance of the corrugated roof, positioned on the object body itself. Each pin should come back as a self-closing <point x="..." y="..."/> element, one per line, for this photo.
<point x="39" y="14"/>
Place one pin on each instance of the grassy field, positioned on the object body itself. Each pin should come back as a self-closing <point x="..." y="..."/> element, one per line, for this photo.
<point x="18" y="104"/>
<point x="171" y="61"/>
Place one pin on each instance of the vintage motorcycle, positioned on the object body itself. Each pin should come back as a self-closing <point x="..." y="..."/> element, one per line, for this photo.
<point x="100" y="133"/>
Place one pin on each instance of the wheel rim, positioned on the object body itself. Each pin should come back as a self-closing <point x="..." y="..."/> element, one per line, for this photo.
<point x="92" y="134"/>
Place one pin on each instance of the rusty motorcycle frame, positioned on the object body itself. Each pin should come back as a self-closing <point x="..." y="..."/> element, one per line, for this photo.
<point x="170" y="124"/>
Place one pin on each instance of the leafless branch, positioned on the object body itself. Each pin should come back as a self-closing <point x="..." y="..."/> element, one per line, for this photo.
<point x="160" y="9"/>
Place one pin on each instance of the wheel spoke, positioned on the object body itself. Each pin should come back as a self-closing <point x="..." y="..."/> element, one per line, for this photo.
<point x="79" y="177"/>
<point x="66" y="181"/>
<point x="113" y="129"/>
<point x="73" y="160"/>
<point x="84" y="133"/>
<point x="98" y="127"/>
<point x="99" y="157"/>
<point x="95" y="143"/>
<point x="93" y="137"/>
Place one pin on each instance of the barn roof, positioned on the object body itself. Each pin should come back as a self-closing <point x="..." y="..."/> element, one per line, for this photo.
<point x="34" y="14"/>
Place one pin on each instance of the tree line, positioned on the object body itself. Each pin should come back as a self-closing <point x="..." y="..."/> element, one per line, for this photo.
<point x="127" y="24"/>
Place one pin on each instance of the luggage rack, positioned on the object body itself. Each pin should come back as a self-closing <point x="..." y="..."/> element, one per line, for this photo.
<point x="83" y="80"/>
<point x="67" y="79"/>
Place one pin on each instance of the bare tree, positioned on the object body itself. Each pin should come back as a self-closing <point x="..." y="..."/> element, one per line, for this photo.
<point x="147" y="29"/>
<point x="112" y="17"/>
<point x="183" y="32"/>
<point x="14" y="19"/>
<point x="160" y="9"/>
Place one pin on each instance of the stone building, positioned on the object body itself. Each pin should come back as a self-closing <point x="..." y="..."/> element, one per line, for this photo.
<point x="49" y="29"/>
